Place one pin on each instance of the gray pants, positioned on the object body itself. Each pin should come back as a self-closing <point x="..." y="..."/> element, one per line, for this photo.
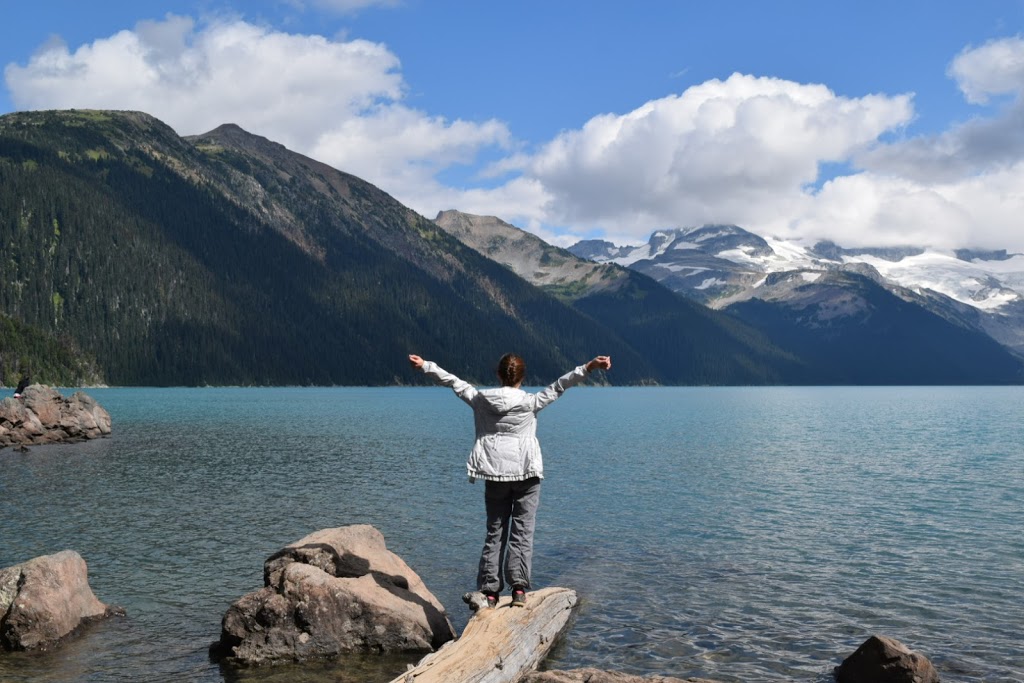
<point x="511" y="516"/>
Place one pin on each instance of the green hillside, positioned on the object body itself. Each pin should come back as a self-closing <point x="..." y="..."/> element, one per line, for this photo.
<point x="29" y="352"/>
<point x="227" y="259"/>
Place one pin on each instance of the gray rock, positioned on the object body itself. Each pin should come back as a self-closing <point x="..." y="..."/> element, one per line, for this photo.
<point x="334" y="591"/>
<point x="598" y="676"/>
<point x="45" y="599"/>
<point x="43" y="416"/>
<point x="885" y="660"/>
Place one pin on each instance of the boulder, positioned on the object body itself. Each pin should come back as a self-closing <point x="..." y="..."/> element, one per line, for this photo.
<point x="598" y="676"/>
<point x="43" y="416"/>
<point x="45" y="599"/>
<point x="335" y="591"/>
<point x="885" y="660"/>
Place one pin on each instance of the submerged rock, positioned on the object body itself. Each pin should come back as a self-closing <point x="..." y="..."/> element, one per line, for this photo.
<point x="45" y="599"/>
<point x="43" y="416"/>
<point x="334" y="591"/>
<point x="885" y="660"/>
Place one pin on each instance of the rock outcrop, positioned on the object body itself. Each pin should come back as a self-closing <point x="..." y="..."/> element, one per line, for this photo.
<point x="334" y="591"/>
<point x="45" y="599"/>
<point x="43" y="416"/>
<point x="598" y="676"/>
<point x="885" y="660"/>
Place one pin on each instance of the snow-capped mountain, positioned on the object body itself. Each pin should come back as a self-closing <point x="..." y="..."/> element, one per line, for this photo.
<point x="721" y="265"/>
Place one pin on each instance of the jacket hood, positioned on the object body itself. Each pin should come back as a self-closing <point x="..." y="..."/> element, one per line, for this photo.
<point x="501" y="399"/>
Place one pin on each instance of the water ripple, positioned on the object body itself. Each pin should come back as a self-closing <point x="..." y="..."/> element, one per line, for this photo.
<point x="735" y="534"/>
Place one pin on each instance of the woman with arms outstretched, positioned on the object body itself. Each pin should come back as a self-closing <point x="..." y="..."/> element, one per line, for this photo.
<point x="506" y="455"/>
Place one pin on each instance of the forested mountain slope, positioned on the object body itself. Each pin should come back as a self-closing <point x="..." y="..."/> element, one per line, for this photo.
<point x="225" y="258"/>
<point x="228" y="259"/>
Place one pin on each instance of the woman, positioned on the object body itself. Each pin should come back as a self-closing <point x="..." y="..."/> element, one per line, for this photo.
<point x="506" y="455"/>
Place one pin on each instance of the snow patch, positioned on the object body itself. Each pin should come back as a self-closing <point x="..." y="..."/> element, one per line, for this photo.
<point x="678" y="268"/>
<point x="711" y="282"/>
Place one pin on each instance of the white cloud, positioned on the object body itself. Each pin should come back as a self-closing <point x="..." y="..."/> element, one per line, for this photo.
<point x="280" y="85"/>
<point x="745" y="150"/>
<point x="996" y="68"/>
<point x="394" y="141"/>
<point x="961" y="188"/>
<point x="980" y="145"/>
<point x="741" y="150"/>
<point x="334" y="99"/>
<point x="871" y="210"/>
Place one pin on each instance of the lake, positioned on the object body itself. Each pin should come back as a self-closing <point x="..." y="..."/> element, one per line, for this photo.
<point x="740" y="534"/>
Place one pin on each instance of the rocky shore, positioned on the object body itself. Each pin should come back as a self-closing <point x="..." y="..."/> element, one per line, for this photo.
<point x="43" y="416"/>
<point x="340" y="591"/>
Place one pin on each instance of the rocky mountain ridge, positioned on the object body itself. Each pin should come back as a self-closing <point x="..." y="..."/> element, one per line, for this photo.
<point x="723" y="265"/>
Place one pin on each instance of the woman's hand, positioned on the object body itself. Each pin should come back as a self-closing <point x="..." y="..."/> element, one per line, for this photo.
<point x="600" y="363"/>
<point x="415" y="361"/>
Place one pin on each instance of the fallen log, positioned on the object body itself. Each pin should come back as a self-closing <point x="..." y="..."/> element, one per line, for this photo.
<point x="499" y="645"/>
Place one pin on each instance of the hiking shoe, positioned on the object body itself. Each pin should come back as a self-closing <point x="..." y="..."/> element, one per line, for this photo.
<point x="518" y="597"/>
<point x="492" y="600"/>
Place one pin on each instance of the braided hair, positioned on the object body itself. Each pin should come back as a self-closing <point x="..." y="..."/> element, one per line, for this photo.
<point x="511" y="370"/>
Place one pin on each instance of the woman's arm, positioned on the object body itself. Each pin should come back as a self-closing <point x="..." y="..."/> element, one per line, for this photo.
<point x="546" y="396"/>
<point x="462" y="389"/>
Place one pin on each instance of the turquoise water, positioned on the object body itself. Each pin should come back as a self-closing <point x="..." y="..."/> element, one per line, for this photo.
<point x="741" y="534"/>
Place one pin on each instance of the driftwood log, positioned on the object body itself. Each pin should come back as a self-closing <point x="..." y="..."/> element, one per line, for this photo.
<point x="499" y="645"/>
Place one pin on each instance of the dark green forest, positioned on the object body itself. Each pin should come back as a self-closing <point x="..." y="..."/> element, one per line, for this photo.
<point x="138" y="248"/>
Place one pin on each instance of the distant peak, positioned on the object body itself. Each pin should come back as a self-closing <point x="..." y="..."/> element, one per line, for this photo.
<point x="234" y="136"/>
<point x="230" y="130"/>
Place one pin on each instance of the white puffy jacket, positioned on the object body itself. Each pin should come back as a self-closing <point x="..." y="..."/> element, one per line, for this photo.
<point x="506" y="447"/>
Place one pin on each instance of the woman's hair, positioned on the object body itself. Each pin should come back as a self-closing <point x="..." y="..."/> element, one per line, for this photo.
<point x="511" y="369"/>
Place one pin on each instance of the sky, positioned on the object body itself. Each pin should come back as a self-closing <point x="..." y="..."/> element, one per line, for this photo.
<point x="868" y="123"/>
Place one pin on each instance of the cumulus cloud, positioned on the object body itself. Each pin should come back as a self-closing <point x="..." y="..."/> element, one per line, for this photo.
<point x="284" y="86"/>
<point x="402" y="150"/>
<point x="338" y="100"/>
<point x="980" y="145"/>
<point x="959" y="188"/>
<point x="741" y="150"/>
<point x="996" y="68"/>
<point x="747" y="150"/>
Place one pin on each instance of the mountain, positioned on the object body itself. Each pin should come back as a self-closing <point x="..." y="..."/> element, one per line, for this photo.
<point x="225" y="258"/>
<point x="132" y="255"/>
<point x="848" y="312"/>
<point x="689" y="343"/>
<point x="852" y="330"/>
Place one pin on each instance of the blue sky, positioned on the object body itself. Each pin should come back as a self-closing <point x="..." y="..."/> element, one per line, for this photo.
<point x="864" y="122"/>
